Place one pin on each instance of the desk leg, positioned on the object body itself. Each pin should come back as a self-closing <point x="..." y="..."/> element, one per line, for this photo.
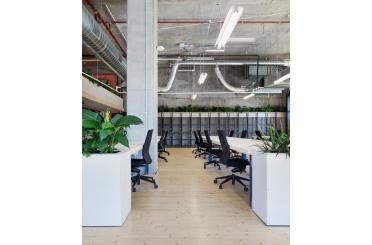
<point x="250" y="182"/>
<point x="244" y="156"/>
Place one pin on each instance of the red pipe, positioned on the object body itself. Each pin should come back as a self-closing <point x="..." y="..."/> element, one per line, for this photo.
<point x="164" y="21"/>
<point x="99" y="18"/>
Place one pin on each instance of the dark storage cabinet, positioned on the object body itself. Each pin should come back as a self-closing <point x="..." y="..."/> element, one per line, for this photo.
<point x="180" y="125"/>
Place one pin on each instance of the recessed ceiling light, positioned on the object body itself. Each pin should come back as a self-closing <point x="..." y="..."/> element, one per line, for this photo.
<point x="214" y="50"/>
<point x="193" y="97"/>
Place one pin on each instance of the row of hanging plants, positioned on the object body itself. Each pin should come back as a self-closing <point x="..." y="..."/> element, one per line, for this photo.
<point x="191" y="108"/>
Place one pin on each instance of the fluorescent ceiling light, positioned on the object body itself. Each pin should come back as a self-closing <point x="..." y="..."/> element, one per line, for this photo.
<point x="214" y="50"/>
<point x="202" y="78"/>
<point x="228" y="26"/>
<point x="200" y="58"/>
<point x="193" y="97"/>
<point x="282" y="79"/>
<point x="242" y="39"/>
<point x="248" y="96"/>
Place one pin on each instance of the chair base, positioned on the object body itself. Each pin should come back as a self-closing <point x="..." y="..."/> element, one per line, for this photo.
<point x="233" y="178"/>
<point x="164" y="158"/>
<point x="164" y="152"/>
<point x="214" y="162"/>
<point x="201" y="154"/>
<point x="136" y="181"/>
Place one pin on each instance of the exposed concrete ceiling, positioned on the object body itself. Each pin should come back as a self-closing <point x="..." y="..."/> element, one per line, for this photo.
<point x="268" y="23"/>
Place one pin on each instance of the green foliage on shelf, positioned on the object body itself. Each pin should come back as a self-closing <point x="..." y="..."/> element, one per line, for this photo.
<point x="191" y="108"/>
<point x="278" y="143"/>
<point x="100" y="135"/>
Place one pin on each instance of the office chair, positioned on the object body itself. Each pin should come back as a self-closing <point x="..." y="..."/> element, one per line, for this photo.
<point x="214" y="152"/>
<point x="258" y="134"/>
<point x="203" y="145"/>
<point x="231" y="134"/>
<point x="197" y="143"/>
<point x="164" y="142"/>
<point x="161" y="147"/>
<point x="244" y="134"/>
<point x="238" y="164"/>
<point x="145" y="161"/>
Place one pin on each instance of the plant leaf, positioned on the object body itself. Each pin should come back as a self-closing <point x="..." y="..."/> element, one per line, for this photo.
<point x="129" y="120"/>
<point x="106" y="132"/>
<point x="91" y="115"/>
<point x="116" y="118"/>
<point x="121" y="138"/>
<point x="87" y="123"/>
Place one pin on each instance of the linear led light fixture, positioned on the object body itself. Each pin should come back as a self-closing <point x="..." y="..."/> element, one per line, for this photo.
<point x="202" y="78"/>
<point x="242" y="39"/>
<point x="228" y="26"/>
<point x="200" y="58"/>
<point x="193" y="97"/>
<point x="282" y="79"/>
<point x="248" y="96"/>
<point x="214" y="50"/>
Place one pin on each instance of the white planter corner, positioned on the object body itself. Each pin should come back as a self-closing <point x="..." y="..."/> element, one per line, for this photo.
<point x="106" y="182"/>
<point x="271" y="188"/>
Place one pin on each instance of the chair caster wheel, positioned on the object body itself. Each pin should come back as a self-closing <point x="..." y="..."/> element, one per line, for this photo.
<point x="220" y="187"/>
<point x="215" y="181"/>
<point x="155" y="186"/>
<point x="204" y="167"/>
<point x="134" y="190"/>
<point x="245" y="188"/>
<point x="233" y="183"/>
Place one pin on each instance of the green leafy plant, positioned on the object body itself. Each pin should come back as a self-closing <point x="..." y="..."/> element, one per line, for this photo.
<point x="101" y="135"/>
<point x="278" y="142"/>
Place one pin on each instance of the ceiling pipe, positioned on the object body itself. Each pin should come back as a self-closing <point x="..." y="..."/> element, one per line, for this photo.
<point x="225" y="84"/>
<point x="99" y="18"/>
<point x="99" y="42"/>
<point x="165" y="21"/>
<point x="216" y="63"/>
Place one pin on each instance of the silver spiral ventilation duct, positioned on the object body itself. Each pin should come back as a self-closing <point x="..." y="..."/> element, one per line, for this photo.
<point x="217" y="70"/>
<point x="98" y="41"/>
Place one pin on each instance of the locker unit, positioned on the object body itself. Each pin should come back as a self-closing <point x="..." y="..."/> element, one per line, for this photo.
<point x="180" y="125"/>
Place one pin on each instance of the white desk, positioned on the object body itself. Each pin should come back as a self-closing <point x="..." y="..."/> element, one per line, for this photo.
<point x="245" y="146"/>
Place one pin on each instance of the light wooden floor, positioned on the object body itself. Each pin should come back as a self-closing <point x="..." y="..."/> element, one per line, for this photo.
<point x="188" y="209"/>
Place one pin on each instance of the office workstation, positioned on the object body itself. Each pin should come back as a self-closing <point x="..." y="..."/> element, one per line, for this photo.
<point x="185" y="122"/>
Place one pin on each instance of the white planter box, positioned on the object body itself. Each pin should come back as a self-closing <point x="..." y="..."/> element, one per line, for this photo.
<point x="106" y="189"/>
<point x="270" y="188"/>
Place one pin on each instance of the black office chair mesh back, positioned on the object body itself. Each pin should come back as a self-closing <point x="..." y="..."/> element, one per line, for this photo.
<point x="200" y="137"/>
<point x="225" y="147"/>
<point x="165" y="138"/>
<point x="258" y="134"/>
<point x="231" y="134"/>
<point x="196" y="138"/>
<point x="244" y="134"/>
<point x="161" y="141"/>
<point x="209" y="141"/>
<point x="146" y="147"/>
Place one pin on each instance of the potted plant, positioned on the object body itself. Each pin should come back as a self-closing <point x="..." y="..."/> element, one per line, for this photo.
<point x="106" y="172"/>
<point x="270" y="179"/>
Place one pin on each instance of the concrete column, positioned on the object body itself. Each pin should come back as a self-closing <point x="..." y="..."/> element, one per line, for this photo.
<point x="142" y="74"/>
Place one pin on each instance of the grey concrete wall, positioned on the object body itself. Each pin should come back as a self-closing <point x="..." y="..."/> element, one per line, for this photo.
<point x="235" y="75"/>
